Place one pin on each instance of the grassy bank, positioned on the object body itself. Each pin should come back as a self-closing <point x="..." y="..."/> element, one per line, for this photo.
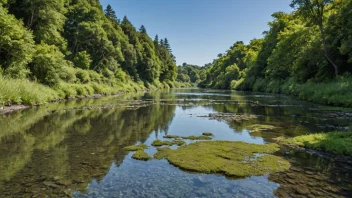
<point x="23" y="91"/>
<point x="338" y="143"/>
<point x="337" y="92"/>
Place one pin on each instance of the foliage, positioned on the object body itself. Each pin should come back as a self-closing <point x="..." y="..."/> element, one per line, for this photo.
<point x="305" y="53"/>
<point x="190" y="73"/>
<point x="77" y="48"/>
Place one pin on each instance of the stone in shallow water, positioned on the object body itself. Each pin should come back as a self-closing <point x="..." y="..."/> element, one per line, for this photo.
<point x="226" y="158"/>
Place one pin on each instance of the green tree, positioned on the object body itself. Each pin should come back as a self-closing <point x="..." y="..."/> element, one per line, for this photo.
<point x="16" y="46"/>
<point x="315" y="10"/>
<point x="110" y="14"/>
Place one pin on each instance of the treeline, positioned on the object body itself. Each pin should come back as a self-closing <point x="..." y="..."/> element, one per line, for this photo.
<point x="77" y="48"/>
<point x="187" y="73"/>
<point x="307" y="53"/>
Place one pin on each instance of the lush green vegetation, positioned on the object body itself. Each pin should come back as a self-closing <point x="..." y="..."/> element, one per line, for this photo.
<point x="68" y="48"/>
<point x="193" y="74"/>
<point x="339" y="143"/>
<point x="229" y="158"/>
<point x="307" y="53"/>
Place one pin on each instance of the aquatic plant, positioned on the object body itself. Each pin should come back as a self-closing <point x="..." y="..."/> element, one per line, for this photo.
<point x="226" y="158"/>
<point x="207" y="134"/>
<point x="141" y="155"/>
<point x="202" y="137"/>
<point x="158" y="143"/>
<point x="136" y="147"/>
<point x="171" y="136"/>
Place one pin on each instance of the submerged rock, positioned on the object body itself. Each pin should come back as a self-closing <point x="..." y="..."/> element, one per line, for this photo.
<point x="226" y="158"/>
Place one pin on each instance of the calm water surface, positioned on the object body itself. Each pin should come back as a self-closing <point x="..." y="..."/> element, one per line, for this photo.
<point x="75" y="149"/>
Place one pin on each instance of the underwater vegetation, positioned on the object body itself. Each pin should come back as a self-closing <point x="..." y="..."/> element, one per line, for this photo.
<point x="234" y="159"/>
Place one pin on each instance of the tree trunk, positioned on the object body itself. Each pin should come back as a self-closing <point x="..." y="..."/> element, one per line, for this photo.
<point x="326" y="50"/>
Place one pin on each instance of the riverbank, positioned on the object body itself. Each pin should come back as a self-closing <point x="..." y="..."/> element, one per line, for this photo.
<point x="337" y="92"/>
<point x="334" y="144"/>
<point x="16" y="94"/>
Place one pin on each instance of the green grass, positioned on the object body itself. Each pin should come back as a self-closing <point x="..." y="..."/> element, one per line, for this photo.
<point x="21" y="91"/>
<point x="339" y="143"/>
<point x="337" y="92"/>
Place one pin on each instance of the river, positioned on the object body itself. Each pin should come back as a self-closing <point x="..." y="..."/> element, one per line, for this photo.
<point x="75" y="148"/>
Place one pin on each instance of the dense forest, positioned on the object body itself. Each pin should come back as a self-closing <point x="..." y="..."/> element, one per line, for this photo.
<point x="193" y="74"/>
<point x="68" y="48"/>
<point x="307" y="53"/>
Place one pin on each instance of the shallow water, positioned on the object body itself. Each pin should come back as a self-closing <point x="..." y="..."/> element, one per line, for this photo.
<point x="75" y="148"/>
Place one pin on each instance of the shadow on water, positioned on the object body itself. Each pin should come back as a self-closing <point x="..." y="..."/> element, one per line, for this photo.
<point x="77" y="146"/>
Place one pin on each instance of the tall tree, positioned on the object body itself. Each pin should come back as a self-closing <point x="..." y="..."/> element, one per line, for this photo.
<point x="143" y="30"/>
<point x="110" y="13"/>
<point x="167" y="45"/>
<point x="315" y="10"/>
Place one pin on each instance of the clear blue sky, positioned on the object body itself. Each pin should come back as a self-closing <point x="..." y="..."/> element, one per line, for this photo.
<point x="198" y="30"/>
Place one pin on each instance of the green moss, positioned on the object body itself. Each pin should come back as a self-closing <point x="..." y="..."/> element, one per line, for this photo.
<point x="171" y="136"/>
<point x="339" y="143"/>
<point x="260" y="128"/>
<point x="207" y="134"/>
<point x="224" y="157"/>
<point x="141" y="155"/>
<point x="158" y="143"/>
<point x="136" y="147"/>
<point x="202" y="137"/>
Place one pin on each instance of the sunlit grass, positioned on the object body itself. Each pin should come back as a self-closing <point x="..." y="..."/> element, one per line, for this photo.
<point x="339" y="143"/>
<point x="21" y="91"/>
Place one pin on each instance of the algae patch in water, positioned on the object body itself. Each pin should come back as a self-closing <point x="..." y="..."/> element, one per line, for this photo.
<point x="139" y="153"/>
<point x="207" y="134"/>
<point x="135" y="147"/>
<point x="158" y="143"/>
<point x="171" y="136"/>
<point x="225" y="157"/>
<point x="202" y="137"/>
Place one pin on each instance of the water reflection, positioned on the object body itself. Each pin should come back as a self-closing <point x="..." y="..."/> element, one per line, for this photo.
<point x="76" y="146"/>
<point x="56" y="152"/>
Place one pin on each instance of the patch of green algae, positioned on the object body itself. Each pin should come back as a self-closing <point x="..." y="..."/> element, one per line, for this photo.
<point x="207" y="134"/>
<point x="171" y="136"/>
<point x="141" y="155"/>
<point x="158" y="143"/>
<point x="202" y="137"/>
<point x="227" y="158"/>
<point x="135" y="147"/>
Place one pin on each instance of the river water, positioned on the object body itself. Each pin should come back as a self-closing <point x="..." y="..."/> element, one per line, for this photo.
<point x="75" y="148"/>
